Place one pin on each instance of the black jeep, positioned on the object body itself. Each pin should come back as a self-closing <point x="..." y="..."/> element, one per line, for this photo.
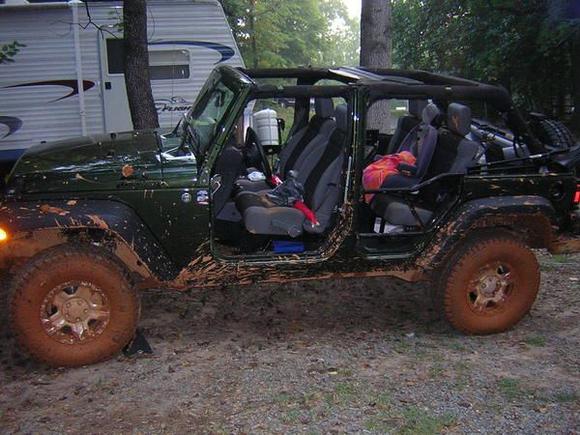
<point x="280" y="175"/>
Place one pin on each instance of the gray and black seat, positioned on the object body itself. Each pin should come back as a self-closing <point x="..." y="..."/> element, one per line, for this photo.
<point x="321" y="193"/>
<point x="405" y="124"/>
<point x="304" y="148"/>
<point x="453" y="154"/>
<point x="421" y="142"/>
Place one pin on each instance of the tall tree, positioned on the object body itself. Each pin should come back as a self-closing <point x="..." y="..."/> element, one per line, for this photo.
<point x="375" y="35"/>
<point x="137" y="82"/>
<point x="282" y="33"/>
<point x="528" y="46"/>
<point x="375" y="52"/>
<point x="341" y="43"/>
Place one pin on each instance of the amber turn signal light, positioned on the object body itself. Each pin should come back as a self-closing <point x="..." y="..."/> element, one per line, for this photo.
<point x="3" y="235"/>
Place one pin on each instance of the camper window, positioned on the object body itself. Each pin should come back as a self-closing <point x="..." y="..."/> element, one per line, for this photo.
<point x="115" y="55"/>
<point x="168" y="64"/>
<point x="163" y="64"/>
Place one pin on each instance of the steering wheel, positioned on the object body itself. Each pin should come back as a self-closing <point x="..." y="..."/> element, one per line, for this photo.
<point x="253" y="144"/>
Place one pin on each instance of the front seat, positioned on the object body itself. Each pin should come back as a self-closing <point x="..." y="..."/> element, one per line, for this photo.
<point x="321" y="193"/>
<point x="303" y="149"/>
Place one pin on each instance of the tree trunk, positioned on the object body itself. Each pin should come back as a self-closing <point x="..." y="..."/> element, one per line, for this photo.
<point x="375" y="34"/>
<point x="375" y="52"/>
<point x="141" y="103"/>
<point x="252" y="28"/>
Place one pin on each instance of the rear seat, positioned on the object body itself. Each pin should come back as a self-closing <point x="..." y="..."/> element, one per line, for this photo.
<point x="453" y="153"/>
<point x="406" y="123"/>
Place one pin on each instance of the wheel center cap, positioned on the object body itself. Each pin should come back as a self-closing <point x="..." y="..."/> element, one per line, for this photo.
<point x="488" y="286"/>
<point x="76" y="310"/>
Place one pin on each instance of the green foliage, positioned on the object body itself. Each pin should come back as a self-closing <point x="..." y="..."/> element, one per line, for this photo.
<point x="527" y="46"/>
<point x="419" y="421"/>
<point x="8" y="51"/>
<point x="279" y="33"/>
<point x="511" y="388"/>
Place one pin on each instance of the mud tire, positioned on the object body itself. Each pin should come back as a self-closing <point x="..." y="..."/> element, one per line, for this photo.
<point x="554" y="134"/>
<point x="454" y="294"/>
<point x="54" y="267"/>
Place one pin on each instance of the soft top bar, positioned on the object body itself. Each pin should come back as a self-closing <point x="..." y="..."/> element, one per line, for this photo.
<point x="497" y="96"/>
<point x="300" y="91"/>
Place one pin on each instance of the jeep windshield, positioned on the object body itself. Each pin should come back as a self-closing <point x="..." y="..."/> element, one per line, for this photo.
<point x="209" y="113"/>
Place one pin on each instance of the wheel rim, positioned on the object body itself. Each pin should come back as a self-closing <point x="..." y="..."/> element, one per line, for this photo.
<point x="75" y="312"/>
<point x="491" y="288"/>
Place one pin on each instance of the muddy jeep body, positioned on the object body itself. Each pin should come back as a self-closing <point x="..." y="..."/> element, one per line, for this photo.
<point x="153" y="216"/>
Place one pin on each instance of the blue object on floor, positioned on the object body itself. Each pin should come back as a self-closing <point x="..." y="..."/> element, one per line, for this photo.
<point x="288" y="247"/>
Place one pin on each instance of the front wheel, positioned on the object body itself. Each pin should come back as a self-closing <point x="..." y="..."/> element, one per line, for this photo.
<point x="72" y="307"/>
<point x="488" y="285"/>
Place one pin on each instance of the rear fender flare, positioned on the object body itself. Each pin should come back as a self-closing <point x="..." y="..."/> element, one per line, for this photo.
<point x="529" y="217"/>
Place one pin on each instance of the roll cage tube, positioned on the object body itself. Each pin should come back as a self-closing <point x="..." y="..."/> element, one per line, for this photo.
<point x="498" y="97"/>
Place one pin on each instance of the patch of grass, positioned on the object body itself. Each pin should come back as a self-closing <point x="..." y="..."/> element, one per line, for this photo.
<point x="559" y="258"/>
<point x="418" y="422"/>
<point x="347" y="373"/>
<point x="565" y="396"/>
<point x="283" y="397"/>
<point x="435" y="371"/>
<point x="461" y="370"/>
<point x="344" y="392"/>
<point x="308" y="400"/>
<point x="380" y="423"/>
<point x="383" y="400"/>
<point x="510" y="388"/>
<point x="292" y="416"/>
<point x="536" y="341"/>
<point x="402" y="346"/>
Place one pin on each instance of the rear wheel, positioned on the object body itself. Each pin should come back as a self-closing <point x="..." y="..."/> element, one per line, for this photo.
<point x="72" y="307"/>
<point x="488" y="285"/>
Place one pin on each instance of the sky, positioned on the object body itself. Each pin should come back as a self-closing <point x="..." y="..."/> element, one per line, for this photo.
<point x="353" y="7"/>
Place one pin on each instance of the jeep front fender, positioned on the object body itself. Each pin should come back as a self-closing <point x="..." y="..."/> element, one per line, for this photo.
<point x="35" y="225"/>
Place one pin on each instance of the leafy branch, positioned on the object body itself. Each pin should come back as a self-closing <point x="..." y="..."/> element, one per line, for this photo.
<point x="8" y="51"/>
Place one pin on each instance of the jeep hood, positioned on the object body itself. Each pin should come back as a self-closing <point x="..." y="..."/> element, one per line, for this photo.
<point x="100" y="162"/>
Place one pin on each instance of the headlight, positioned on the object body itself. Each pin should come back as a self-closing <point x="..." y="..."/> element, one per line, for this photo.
<point x="3" y="235"/>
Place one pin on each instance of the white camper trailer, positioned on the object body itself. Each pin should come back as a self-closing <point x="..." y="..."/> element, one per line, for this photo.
<point x="68" y="78"/>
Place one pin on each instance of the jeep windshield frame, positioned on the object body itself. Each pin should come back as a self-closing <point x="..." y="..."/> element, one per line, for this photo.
<point x="210" y="114"/>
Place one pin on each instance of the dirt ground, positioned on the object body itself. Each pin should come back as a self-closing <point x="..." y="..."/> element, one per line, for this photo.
<point x="332" y="357"/>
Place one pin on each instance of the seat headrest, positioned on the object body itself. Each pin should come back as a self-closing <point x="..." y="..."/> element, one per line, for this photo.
<point x="430" y="112"/>
<point x="416" y="107"/>
<point x="341" y="117"/>
<point x="459" y="119"/>
<point x="324" y="107"/>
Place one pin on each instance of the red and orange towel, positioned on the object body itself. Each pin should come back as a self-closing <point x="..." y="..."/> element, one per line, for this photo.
<point x="374" y="174"/>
